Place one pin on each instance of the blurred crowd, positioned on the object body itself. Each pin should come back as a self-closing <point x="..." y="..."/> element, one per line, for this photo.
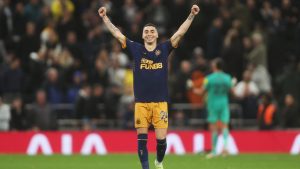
<point x="58" y="60"/>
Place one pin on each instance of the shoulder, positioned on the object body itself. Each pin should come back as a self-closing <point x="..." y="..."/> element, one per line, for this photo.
<point x="166" y="44"/>
<point x="228" y="76"/>
<point x="131" y="43"/>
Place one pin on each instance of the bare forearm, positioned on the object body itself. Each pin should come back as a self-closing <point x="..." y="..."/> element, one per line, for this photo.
<point x="114" y="30"/>
<point x="186" y="24"/>
<point x="111" y="27"/>
<point x="182" y="30"/>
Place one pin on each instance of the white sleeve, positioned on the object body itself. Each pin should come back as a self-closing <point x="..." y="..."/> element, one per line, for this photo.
<point x="239" y="89"/>
<point x="254" y="89"/>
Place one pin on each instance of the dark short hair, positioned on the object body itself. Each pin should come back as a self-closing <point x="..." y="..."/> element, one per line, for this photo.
<point x="219" y="63"/>
<point x="150" y="24"/>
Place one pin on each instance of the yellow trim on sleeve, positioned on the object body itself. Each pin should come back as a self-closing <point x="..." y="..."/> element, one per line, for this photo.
<point x="124" y="44"/>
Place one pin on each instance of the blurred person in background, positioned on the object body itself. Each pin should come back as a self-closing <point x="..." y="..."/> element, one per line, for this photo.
<point x="218" y="86"/>
<point x="215" y="39"/>
<point x="180" y="83"/>
<point x="12" y="79"/>
<point x="267" y="112"/>
<point x="98" y="106"/>
<point x="247" y="92"/>
<point x="19" y="115"/>
<point x="232" y="53"/>
<point x="60" y="7"/>
<point x="261" y="77"/>
<point x="29" y="42"/>
<point x="117" y="54"/>
<point x="83" y="107"/>
<point x="54" y="87"/>
<point x="150" y="80"/>
<point x="42" y="116"/>
<point x="258" y="55"/>
<point x="5" y="115"/>
<point x="100" y="73"/>
<point x="290" y="112"/>
<point x="33" y="10"/>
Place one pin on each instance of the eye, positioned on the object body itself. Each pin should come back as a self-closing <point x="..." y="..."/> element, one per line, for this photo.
<point x="152" y="31"/>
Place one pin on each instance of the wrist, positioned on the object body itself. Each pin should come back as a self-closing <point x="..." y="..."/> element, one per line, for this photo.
<point x="191" y="16"/>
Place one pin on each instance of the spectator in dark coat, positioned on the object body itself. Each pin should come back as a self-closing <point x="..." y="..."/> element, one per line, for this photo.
<point x="290" y="112"/>
<point x="215" y="39"/>
<point x="19" y="115"/>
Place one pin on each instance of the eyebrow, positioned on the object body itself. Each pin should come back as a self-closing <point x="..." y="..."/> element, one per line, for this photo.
<point x="152" y="30"/>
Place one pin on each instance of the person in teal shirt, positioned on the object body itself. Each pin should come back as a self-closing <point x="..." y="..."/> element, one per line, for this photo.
<point x="217" y="86"/>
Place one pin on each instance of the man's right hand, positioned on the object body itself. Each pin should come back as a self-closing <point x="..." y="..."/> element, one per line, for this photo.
<point x="102" y="12"/>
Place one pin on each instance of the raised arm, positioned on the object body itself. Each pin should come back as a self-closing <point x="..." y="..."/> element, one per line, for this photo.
<point x="185" y="26"/>
<point x="111" y="27"/>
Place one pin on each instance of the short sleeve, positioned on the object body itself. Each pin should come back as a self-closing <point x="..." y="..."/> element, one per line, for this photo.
<point x="167" y="46"/>
<point x="132" y="47"/>
<point x="128" y="44"/>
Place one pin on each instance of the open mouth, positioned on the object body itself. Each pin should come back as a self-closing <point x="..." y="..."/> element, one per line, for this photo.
<point x="150" y="38"/>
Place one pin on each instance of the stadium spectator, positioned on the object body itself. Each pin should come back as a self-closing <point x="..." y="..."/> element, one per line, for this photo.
<point x="19" y="20"/>
<point x="118" y="55"/>
<point x="83" y="107"/>
<point x="98" y="107"/>
<point x="214" y="39"/>
<point x="74" y="87"/>
<point x="5" y="115"/>
<point x="267" y="113"/>
<point x="42" y="116"/>
<point x="260" y="77"/>
<point x="6" y="20"/>
<point x="25" y="47"/>
<point x="33" y="10"/>
<point x="19" y="115"/>
<point x="60" y="7"/>
<point x="158" y="14"/>
<point x="180" y="83"/>
<point x="54" y="87"/>
<point x="100" y="73"/>
<point x="232" y="53"/>
<point x="258" y="55"/>
<point x="247" y="93"/>
<point x="290" y="112"/>
<point x="12" y="79"/>
<point x="129" y="9"/>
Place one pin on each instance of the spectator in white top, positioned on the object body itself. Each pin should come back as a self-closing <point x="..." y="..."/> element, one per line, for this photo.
<point x="261" y="77"/>
<point x="4" y="116"/>
<point x="247" y="91"/>
<point x="246" y="87"/>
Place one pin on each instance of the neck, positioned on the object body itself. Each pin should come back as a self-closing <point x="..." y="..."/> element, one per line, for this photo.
<point x="150" y="46"/>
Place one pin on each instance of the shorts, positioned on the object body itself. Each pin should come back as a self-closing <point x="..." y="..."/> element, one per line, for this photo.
<point x="155" y="113"/>
<point x="218" y="113"/>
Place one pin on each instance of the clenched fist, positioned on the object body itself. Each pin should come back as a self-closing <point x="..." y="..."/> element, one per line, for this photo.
<point x="195" y="9"/>
<point x="102" y="12"/>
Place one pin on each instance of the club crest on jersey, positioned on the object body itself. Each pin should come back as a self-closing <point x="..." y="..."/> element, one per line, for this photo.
<point x="157" y="52"/>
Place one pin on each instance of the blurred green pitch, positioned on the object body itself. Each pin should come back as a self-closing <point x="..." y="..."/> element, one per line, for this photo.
<point x="130" y="161"/>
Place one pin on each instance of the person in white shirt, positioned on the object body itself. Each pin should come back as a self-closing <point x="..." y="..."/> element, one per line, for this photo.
<point x="246" y="87"/>
<point x="247" y="93"/>
<point x="4" y="116"/>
